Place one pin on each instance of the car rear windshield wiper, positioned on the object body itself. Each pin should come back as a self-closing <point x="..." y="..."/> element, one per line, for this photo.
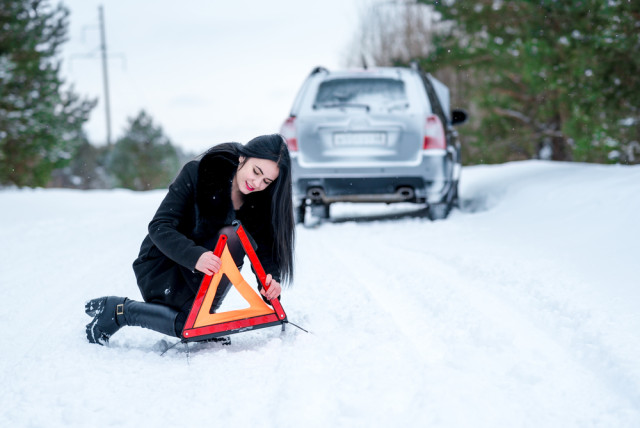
<point x="339" y="105"/>
<point x="397" y="105"/>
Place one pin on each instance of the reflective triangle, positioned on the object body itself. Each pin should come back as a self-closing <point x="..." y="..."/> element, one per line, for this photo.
<point x="256" y="307"/>
<point x="202" y="325"/>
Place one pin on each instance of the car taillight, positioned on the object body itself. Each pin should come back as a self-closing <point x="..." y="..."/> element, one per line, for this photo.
<point x="433" y="134"/>
<point x="288" y="131"/>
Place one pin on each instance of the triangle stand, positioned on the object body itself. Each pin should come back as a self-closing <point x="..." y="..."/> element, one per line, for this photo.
<point x="202" y="325"/>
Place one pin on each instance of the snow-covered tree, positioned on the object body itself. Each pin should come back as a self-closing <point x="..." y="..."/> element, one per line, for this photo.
<point x="86" y="169"/>
<point x="144" y="158"/>
<point x="552" y="78"/>
<point x="40" y="121"/>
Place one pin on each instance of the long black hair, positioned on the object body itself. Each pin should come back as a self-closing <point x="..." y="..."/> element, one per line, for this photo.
<point x="273" y="147"/>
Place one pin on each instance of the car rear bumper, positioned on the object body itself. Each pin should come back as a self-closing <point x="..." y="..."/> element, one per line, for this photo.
<point x="426" y="180"/>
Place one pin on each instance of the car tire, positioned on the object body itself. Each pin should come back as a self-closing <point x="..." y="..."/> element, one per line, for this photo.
<point x="321" y="211"/>
<point x="299" y="212"/>
<point x="455" y="200"/>
<point x="441" y="210"/>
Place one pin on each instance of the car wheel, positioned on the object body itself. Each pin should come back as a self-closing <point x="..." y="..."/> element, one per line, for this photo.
<point x="322" y="211"/>
<point x="441" y="210"/>
<point x="455" y="201"/>
<point x="299" y="212"/>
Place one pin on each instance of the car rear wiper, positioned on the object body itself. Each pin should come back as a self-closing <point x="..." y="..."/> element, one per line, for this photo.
<point x="398" y="105"/>
<point x="338" y="105"/>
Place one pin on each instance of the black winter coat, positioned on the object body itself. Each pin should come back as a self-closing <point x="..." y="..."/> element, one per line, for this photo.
<point x="185" y="226"/>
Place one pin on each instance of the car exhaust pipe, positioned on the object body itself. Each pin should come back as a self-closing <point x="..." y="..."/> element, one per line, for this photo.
<point x="405" y="193"/>
<point x="316" y="194"/>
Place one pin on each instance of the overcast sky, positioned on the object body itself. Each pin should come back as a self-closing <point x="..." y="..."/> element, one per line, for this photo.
<point x="207" y="71"/>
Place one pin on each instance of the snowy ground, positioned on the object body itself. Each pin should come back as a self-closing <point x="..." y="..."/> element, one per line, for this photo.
<point x="520" y="310"/>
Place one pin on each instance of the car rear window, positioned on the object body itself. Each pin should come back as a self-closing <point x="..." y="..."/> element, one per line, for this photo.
<point x="373" y="92"/>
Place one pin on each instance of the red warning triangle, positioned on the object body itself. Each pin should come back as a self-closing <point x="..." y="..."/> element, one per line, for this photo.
<point x="202" y="325"/>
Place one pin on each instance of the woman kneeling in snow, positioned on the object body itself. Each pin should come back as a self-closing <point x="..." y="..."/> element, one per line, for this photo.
<point x="250" y="183"/>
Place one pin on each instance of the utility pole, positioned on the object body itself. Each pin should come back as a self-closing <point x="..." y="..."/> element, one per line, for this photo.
<point x="105" y="77"/>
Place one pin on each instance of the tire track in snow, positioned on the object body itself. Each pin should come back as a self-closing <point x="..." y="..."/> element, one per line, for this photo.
<point x="352" y="334"/>
<point x="354" y="292"/>
<point x="472" y="321"/>
<point x="388" y="302"/>
<point x="562" y="322"/>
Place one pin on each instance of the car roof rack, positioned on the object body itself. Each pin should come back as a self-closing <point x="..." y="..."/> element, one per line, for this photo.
<point x="318" y="69"/>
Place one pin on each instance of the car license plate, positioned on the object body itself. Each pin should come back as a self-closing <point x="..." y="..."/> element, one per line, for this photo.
<point x="358" y="139"/>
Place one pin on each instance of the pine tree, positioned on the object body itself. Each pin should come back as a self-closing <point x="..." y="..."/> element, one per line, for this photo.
<point x="40" y="122"/>
<point x="553" y="75"/>
<point x="85" y="170"/>
<point x="144" y="158"/>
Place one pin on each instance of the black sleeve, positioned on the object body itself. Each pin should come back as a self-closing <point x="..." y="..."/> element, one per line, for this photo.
<point x="175" y="216"/>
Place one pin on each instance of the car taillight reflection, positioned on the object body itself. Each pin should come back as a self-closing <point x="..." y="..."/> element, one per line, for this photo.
<point x="288" y="131"/>
<point x="433" y="134"/>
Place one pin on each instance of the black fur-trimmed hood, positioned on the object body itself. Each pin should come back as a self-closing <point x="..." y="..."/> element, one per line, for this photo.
<point x="213" y="197"/>
<point x="213" y="189"/>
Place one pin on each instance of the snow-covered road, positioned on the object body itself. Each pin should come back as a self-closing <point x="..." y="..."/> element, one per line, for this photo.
<point x="519" y="310"/>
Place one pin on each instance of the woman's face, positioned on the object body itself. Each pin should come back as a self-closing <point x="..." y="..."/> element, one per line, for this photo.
<point x="255" y="174"/>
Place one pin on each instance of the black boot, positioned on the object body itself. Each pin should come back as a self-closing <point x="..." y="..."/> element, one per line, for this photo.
<point x="111" y="313"/>
<point x="104" y="323"/>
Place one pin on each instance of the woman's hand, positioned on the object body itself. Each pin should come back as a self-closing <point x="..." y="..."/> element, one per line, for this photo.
<point x="208" y="263"/>
<point x="274" y="288"/>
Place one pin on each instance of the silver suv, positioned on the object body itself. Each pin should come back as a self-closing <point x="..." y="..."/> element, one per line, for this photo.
<point x="373" y="135"/>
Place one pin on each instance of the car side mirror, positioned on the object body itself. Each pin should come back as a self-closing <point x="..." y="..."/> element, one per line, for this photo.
<point x="458" y="116"/>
